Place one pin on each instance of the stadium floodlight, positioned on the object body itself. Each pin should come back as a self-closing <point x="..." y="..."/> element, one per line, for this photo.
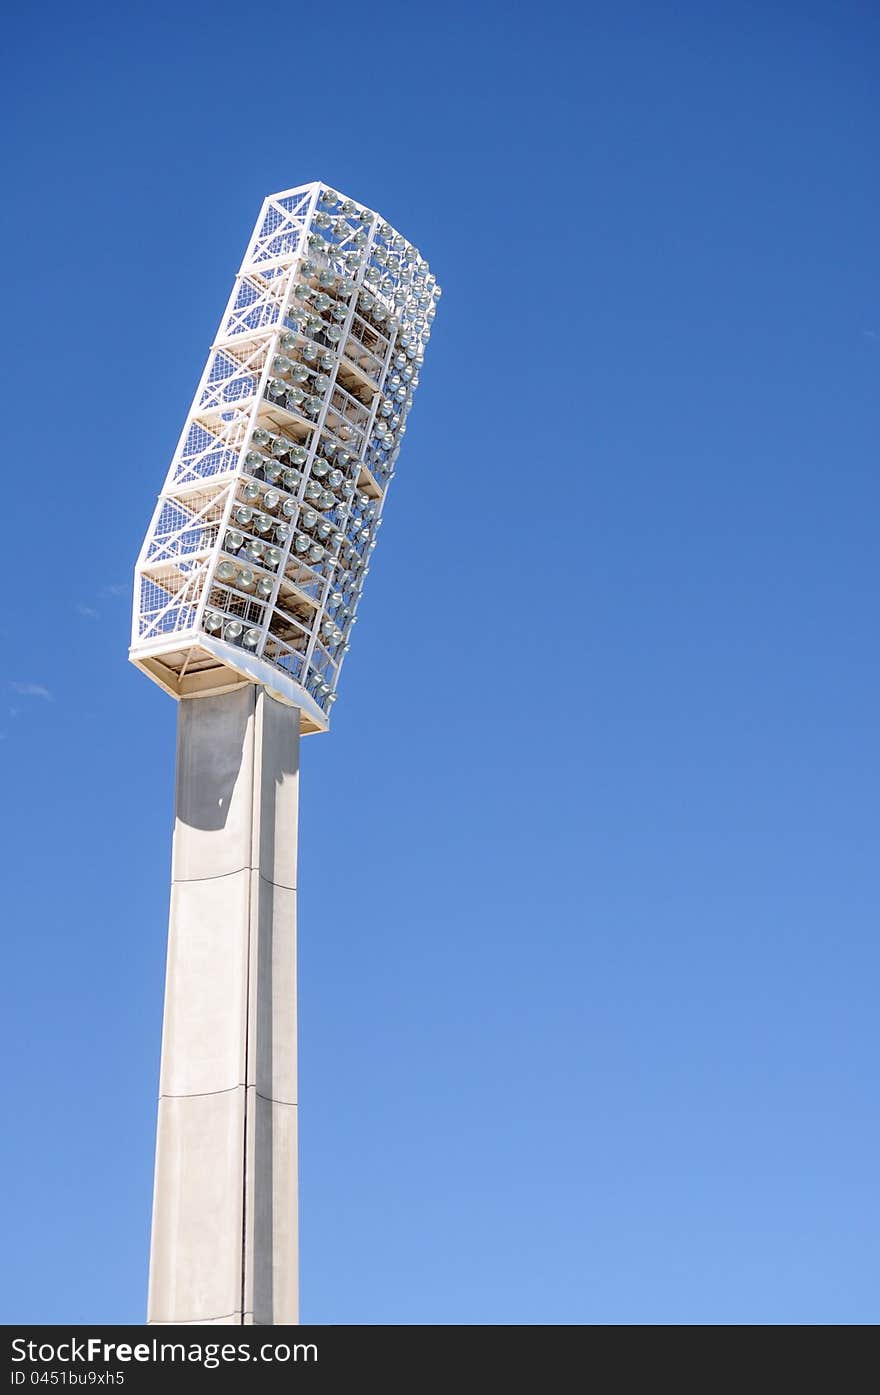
<point x="245" y="595"/>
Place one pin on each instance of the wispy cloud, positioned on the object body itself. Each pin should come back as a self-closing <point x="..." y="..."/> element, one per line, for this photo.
<point x="870" y="334"/>
<point x="89" y="612"/>
<point x="116" y="588"/>
<point x="34" y="690"/>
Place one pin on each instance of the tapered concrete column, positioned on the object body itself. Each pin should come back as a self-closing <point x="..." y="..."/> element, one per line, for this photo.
<point x="224" y="1241"/>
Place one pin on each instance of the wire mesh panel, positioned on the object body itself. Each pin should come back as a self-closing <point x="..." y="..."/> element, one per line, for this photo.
<point x="262" y="536"/>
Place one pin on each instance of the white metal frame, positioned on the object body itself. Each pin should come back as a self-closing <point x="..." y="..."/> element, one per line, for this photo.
<point x="312" y="252"/>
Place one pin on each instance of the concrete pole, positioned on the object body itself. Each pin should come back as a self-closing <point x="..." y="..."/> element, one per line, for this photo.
<point x="224" y="1242"/>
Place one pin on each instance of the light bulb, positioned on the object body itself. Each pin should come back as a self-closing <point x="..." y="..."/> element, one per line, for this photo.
<point x="255" y="550"/>
<point x="272" y="557"/>
<point x="250" y="491"/>
<point x="282" y="532"/>
<point x="333" y="333"/>
<point x="232" y="630"/>
<point x="309" y="518"/>
<point x="243" y="515"/>
<point x="299" y="455"/>
<point x="313" y="491"/>
<point x="327" y="500"/>
<point x="291" y="479"/>
<point x="251" y="639"/>
<point x="213" y="622"/>
<point x="265" y="587"/>
<point x="301" y="543"/>
<point x="327" y="279"/>
<point x="281" y="364"/>
<point x="263" y="524"/>
<point x="287" y="340"/>
<point x="234" y="540"/>
<point x="261" y="437"/>
<point x="280" y="445"/>
<point x="299" y="373"/>
<point x="254" y="461"/>
<point x="315" y="553"/>
<point x="271" y="500"/>
<point x="245" y="580"/>
<point x="225" y="572"/>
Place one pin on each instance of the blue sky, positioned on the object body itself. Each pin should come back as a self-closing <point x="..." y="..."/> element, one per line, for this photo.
<point x="589" y="874"/>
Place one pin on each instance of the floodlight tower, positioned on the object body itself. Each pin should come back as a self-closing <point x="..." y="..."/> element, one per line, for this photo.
<point x="245" y="594"/>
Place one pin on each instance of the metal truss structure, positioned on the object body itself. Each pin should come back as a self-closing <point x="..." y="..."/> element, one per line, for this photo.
<point x="257" y="552"/>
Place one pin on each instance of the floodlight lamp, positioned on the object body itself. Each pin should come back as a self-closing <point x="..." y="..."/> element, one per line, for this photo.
<point x="310" y="266"/>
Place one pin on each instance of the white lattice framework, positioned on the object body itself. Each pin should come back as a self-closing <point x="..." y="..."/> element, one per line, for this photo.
<point x="255" y="559"/>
